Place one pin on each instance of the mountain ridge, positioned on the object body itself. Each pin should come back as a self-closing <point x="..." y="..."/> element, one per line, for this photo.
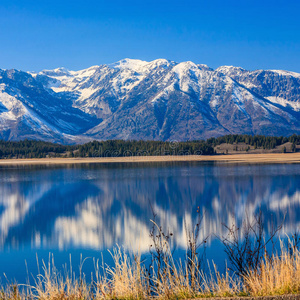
<point x="157" y="100"/>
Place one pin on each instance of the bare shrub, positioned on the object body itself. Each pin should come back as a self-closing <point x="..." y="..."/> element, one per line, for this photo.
<point x="246" y="246"/>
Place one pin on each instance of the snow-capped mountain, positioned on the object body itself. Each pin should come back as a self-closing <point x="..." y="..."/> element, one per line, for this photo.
<point x="158" y="100"/>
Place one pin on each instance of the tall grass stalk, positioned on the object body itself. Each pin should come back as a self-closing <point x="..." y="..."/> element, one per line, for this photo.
<point x="128" y="279"/>
<point x="277" y="275"/>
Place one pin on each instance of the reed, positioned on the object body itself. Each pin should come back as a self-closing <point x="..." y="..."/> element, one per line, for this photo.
<point x="277" y="275"/>
<point x="128" y="279"/>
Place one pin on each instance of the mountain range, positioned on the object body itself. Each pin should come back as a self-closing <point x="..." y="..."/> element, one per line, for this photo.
<point x="139" y="100"/>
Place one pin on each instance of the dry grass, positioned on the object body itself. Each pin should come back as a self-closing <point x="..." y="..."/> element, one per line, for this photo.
<point x="234" y="158"/>
<point x="129" y="279"/>
<point x="277" y="275"/>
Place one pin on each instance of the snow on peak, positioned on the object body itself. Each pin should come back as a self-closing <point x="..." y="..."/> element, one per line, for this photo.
<point x="286" y="73"/>
<point x="85" y="72"/>
<point x="185" y="68"/>
<point x="61" y="70"/>
<point x="204" y="67"/>
<point x="56" y="72"/>
<point x="140" y="65"/>
<point x="161" y="62"/>
<point x="226" y="69"/>
<point x="127" y="63"/>
<point x="188" y="75"/>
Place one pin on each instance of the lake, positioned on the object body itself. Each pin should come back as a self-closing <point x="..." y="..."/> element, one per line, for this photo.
<point x="87" y="209"/>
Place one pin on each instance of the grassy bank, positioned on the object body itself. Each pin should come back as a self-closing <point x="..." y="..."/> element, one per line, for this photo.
<point x="129" y="279"/>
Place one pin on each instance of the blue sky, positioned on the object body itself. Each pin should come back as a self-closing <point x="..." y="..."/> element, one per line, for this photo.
<point x="74" y="34"/>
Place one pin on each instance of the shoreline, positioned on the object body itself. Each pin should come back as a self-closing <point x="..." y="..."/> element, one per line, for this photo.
<point x="229" y="158"/>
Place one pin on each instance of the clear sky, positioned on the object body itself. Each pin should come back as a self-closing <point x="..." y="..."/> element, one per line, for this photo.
<point x="42" y="34"/>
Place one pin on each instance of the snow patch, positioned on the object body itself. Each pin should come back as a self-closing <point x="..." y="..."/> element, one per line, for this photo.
<point x="286" y="103"/>
<point x="238" y="96"/>
<point x="163" y="94"/>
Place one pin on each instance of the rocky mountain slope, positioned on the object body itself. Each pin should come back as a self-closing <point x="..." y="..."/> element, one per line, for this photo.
<point x="158" y="100"/>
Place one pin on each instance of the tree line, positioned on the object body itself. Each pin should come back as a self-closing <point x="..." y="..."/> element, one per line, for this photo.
<point x="115" y="148"/>
<point x="32" y="149"/>
<point x="111" y="148"/>
<point x="121" y="148"/>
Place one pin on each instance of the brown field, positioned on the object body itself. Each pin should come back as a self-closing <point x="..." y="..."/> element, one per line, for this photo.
<point x="229" y="158"/>
<point x="242" y="148"/>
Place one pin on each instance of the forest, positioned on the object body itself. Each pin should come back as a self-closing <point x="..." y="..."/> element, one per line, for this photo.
<point x="121" y="148"/>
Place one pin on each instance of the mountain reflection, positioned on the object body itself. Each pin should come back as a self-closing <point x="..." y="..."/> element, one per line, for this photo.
<point x="99" y="206"/>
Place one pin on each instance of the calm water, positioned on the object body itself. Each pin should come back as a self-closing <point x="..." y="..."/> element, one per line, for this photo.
<point x="87" y="209"/>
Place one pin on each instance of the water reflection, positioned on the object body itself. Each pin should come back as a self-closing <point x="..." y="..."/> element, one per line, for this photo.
<point x="97" y="206"/>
